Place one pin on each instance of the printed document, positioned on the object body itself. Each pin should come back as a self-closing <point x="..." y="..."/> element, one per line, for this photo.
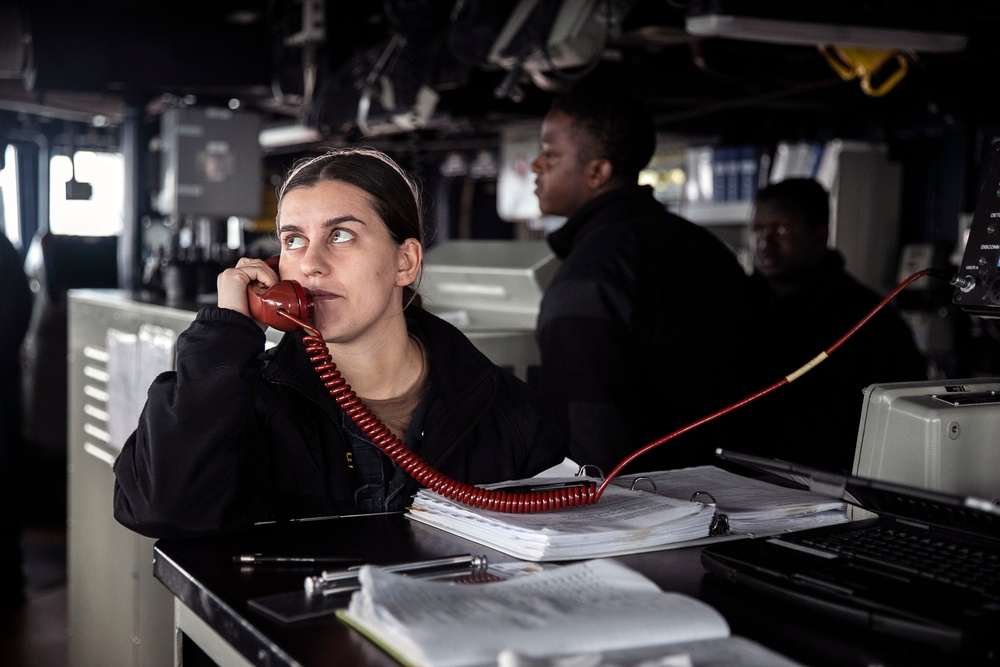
<point x="588" y="608"/>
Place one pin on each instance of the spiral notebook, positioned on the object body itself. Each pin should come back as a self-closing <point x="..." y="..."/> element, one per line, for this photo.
<point x="941" y="587"/>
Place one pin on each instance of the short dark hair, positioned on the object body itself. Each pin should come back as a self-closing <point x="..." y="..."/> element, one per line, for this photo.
<point x="393" y="192"/>
<point x="804" y="195"/>
<point x="618" y="122"/>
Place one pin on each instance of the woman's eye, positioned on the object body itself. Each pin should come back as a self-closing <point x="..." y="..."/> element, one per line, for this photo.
<point x="293" y="242"/>
<point x="341" y="236"/>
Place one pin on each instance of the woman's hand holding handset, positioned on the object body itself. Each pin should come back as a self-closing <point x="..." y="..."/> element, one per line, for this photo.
<point x="232" y="285"/>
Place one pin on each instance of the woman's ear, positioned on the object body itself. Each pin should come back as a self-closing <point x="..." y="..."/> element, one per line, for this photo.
<point x="411" y="256"/>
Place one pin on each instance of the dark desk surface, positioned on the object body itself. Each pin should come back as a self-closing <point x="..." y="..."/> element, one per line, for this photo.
<point x="202" y="574"/>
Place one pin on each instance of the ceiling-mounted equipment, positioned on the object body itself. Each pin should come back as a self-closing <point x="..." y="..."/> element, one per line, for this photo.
<point x="544" y="37"/>
<point x="308" y="34"/>
<point x="917" y="26"/>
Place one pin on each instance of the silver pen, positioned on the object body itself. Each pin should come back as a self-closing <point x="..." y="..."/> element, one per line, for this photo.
<point x="327" y="580"/>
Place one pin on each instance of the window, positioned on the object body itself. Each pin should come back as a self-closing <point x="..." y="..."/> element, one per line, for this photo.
<point x="10" y="220"/>
<point x="101" y="213"/>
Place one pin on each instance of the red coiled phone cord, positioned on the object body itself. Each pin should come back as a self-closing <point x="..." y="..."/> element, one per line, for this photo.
<point x="584" y="493"/>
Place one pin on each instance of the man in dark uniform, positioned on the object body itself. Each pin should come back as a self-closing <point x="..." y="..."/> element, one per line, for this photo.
<point x="635" y="329"/>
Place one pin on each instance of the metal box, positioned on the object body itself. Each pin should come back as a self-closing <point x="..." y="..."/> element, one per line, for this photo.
<point x="211" y="163"/>
<point x="938" y="434"/>
<point x="495" y="285"/>
<point x="492" y="291"/>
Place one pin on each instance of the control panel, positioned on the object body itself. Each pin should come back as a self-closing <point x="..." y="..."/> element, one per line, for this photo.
<point x="977" y="288"/>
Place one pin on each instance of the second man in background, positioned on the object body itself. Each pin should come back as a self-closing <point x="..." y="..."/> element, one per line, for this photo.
<point x="804" y="301"/>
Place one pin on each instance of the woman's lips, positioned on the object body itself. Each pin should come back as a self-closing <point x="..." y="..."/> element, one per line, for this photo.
<point x="321" y="295"/>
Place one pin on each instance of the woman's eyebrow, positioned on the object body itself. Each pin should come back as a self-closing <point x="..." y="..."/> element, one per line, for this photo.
<point x="332" y="222"/>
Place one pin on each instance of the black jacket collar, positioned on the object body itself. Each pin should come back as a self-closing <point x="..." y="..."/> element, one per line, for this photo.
<point x="616" y="205"/>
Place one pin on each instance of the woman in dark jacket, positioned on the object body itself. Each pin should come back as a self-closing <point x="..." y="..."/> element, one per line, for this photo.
<point x="237" y="435"/>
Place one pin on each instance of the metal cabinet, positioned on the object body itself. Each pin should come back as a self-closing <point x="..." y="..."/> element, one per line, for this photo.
<point x="118" y="613"/>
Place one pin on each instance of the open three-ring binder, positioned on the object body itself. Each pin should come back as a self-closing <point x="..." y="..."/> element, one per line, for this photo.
<point x="637" y="513"/>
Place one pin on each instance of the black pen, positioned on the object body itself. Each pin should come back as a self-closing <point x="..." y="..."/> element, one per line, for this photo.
<point x="259" y="559"/>
<point x="543" y="486"/>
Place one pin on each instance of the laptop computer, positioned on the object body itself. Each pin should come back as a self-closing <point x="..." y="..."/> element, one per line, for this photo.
<point x="851" y="571"/>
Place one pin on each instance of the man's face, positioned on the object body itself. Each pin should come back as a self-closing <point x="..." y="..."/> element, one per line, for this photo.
<point x="561" y="167"/>
<point x="783" y="243"/>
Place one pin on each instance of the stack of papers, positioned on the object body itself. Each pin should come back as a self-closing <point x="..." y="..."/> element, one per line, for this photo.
<point x="621" y="522"/>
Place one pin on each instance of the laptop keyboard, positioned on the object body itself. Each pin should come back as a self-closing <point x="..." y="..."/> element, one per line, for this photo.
<point x="953" y="561"/>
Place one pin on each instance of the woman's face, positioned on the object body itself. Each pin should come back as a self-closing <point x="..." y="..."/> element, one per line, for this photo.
<point x="336" y="246"/>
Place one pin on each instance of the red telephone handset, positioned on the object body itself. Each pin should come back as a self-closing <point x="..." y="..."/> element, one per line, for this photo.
<point x="288" y="296"/>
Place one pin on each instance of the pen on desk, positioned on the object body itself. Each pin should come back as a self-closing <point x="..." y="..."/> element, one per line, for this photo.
<point x="351" y="586"/>
<point x="259" y="559"/>
<point x="457" y="564"/>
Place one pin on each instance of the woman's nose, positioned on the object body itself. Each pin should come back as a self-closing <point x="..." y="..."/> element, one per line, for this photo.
<point x="314" y="261"/>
